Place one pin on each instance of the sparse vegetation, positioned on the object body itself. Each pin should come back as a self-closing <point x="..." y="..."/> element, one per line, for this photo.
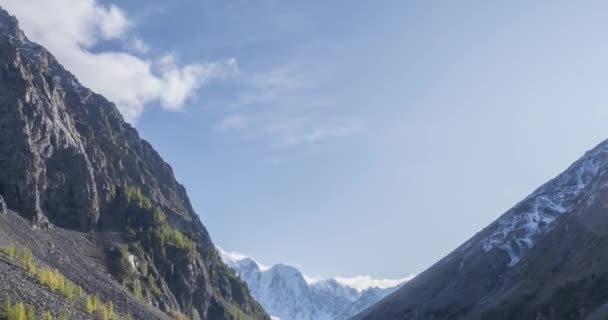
<point x="57" y="282"/>
<point x="24" y="256"/>
<point x="93" y="304"/>
<point x="103" y="314"/>
<point x="31" y="313"/>
<point x="14" y="311"/>
<point x="151" y="224"/>
<point x="237" y="314"/>
<point x="152" y="237"/>
<point x="96" y="302"/>
<point x="137" y="289"/>
<point x="9" y="250"/>
<point x="176" y="315"/>
<point x="27" y="260"/>
<point x="79" y="291"/>
<point x="89" y="306"/>
<point x="106" y="312"/>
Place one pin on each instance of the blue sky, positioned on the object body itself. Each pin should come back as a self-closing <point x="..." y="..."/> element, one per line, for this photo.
<point x="347" y="138"/>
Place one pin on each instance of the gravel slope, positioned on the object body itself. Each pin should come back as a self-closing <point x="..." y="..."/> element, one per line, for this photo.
<point x="78" y="256"/>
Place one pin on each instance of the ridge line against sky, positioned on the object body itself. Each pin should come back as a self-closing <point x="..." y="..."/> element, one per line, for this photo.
<point x="358" y="283"/>
<point x="350" y="137"/>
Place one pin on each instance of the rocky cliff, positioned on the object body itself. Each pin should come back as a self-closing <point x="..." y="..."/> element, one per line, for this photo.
<point x="69" y="160"/>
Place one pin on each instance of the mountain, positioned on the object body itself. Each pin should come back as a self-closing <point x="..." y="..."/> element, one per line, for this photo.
<point x="88" y="197"/>
<point x="543" y="259"/>
<point x="285" y="293"/>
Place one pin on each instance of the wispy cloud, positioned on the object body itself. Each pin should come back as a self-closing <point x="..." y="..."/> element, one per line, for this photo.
<point x="284" y="108"/>
<point x="232" y="257"/>
<point x="138" y="45"/>
<point x="283" y="130"/>
<point x="74" y="29"/>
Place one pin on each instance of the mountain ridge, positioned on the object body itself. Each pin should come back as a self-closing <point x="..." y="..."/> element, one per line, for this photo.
<point x="288" y="294"/>
<point x="539" y="260"/>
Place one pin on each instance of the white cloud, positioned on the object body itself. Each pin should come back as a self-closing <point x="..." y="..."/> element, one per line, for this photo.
<point x="361" y="283"/>
<point x="70" y="29"/>
<point x="137" y="44"/>
<point x="311" y="280"/>
<point x="231" y="257"/>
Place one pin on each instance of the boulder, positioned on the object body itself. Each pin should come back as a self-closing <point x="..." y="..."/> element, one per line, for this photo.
<point x="2" y="205"/>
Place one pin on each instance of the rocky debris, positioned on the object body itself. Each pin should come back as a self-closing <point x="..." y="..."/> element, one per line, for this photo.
<point x="77" y="256"/>
<point x="2" y="205"/>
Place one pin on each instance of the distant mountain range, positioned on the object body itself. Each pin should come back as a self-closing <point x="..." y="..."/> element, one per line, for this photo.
<point x="287" y="294"/>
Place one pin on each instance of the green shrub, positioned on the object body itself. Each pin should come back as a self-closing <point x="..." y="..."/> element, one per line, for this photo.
<point x="103" y="314"/>
<point x="79" y="291"/>
<point x="31" y="313"/>
<point x="119" y="264"/>
<point x="110" y="308"/>
<point x="89" y="305"/>
<point x="57" y="282"/>
<point x="9" y="250"/>
<point x="15" y="311"/>
<point x="27" y="260"/>
<point x="176" y="315"/>
<point x="96" y="302"/>
<point x="137" y="289"/>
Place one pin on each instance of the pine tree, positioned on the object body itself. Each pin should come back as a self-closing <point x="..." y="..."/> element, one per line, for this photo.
<point x="31" y="312"/>
<point x="89" y="305"/>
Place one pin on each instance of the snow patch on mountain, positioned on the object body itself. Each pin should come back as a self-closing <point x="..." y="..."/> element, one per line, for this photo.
<point x="361" y="283"/>
<point x="517" y="230"/>
<point x="287" y="294"/>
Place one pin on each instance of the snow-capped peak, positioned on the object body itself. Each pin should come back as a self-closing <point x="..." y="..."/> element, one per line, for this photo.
<point x="288" y="294"/>
<point x="361" y="283"/>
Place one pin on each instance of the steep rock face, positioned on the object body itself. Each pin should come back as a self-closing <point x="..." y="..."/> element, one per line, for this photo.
<point x="285" y="293"/>
<point x="66" y="148"/>
<point x="543" y="259"/>
<point x="68" y="159"/>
